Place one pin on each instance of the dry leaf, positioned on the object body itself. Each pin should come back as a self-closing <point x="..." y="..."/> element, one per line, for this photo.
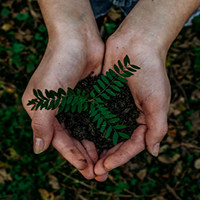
<point x="5" y="165"/>
<point x="163" y="148"/>
<point x="45" y="195"/>
<point x="142" y="174"/>
<point x="4" y="176"/>
<point x="168" y="160"/>
<point x="177" y="169"/>
<point x="6" y="27"/>
<point x="197" y="164"/>
<point x="53" y="181"/>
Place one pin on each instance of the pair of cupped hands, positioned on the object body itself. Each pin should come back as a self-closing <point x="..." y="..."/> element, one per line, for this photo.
<point x="75" y="52"/>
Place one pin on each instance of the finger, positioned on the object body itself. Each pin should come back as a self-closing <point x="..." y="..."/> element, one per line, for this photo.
<point x="99" y="167"/>
<point x="91" y="150"/>
<point x="141" y="119"/>
<point x="128" y="150"/>
<point x="157" y="129"/>
<point x="102" y="178"/>
<point x="42" y="125"/>
<point x="88" y="172"/>
<point x="63" y="143"/>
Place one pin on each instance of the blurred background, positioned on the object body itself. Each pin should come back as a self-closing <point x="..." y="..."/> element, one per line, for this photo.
<point x="174" y="174"/>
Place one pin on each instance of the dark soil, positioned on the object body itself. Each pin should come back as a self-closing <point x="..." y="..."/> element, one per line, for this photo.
<point x="82" y="127"/>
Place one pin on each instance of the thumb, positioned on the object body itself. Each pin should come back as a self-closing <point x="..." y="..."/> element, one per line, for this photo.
<point x="157" y="129"/>
<point x="42" y="125"/>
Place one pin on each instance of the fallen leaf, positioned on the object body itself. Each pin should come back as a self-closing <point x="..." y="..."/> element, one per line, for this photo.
<point x="53" y="181"/>
<point x="177" y="169"/>
<point x="168" y="160"/>
<point x="6" y="27"/>
<point x="142" y="174"/>
<point x="5" y="165"/>
<point x="4" y="176"/>
<point x="45" y="195"/>
<point x="197" y="164"/>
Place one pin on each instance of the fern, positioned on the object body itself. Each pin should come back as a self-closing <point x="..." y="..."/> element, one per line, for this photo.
<point x="77" y="100"/>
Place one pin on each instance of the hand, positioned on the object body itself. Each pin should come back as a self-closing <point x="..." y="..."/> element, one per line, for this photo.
<point x="74" y="51"/>
<point x="150" y="89"/>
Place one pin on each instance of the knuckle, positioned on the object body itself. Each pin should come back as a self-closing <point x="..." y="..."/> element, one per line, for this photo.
<point x="37" y="126"/>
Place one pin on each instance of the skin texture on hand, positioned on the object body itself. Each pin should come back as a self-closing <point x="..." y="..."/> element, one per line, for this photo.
<point x="74" y="51"/>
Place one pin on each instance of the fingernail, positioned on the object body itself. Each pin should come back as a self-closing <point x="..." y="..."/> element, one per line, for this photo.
<point x="39" y="145"/>
<point x="156" y="149"/>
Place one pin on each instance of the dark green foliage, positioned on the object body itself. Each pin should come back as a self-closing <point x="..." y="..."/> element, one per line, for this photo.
<point x="80" y="101"/>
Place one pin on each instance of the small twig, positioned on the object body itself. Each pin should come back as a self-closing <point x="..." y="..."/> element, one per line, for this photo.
<point x="183" y="91"/>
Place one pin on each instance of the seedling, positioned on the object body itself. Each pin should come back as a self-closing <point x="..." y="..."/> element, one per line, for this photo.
<point x="79" y="101"/>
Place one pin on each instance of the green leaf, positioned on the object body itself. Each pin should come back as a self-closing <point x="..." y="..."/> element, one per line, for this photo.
<point x="31" y="102"/>
<point x="69" y="99"/>
<point x="73" y="108"/>
<point x="135" y="67"/>
<point x="61" y="91"/>
<point x="126" y="60"/>
<point x="120" y="65"/>
<point x="57" y="102"/>
<point x="63" y="104"/>
<point x="115" y="88"/>
<point x="97" y="88"/>
<point x="101" y="83"/>
<point x="108" y="132"/>
<point x="126" y="74"/>
<point x="105" y="112"/>
<point x="99" y="122"/>
<point x="114" y="120"/>
<point x="103" y="126"/>
<point x="67" y="108"/>
<point x="78" y="92"/>
<point x="70" y="91"/>
<point x="106" y="81"/>
<point x="83" y="93"/>
<point x="119" y="126"/>
<point x="109" y="116"/>
<point x="104" y="95"/>
<point x="116" y="68"/>
<point x="75" y="100"/>
<point x="108" y="74"/>
<point x="35" y="93"/>
<point x="48" y="94"/>
<point x="98" y="100"/>
<point x="118" y="83"/>
<point x="22" y="16"/>
<point x="45" y="104"/>
<point x="85" y="106"/>
<point x="115" y="138"/>
<point x="51" y="105"/>
<point x="53" y="93"/>
<point x="123" y="80"/>
<point x="80" y="108"/>
<point x="38" y="104"/>
<point x="93" y="113"/>
<point x="41" y="95"/>
<point x="124" y="135"/>
<point x="109" y="91"/>
<point x="33" y="107"/>
<point x="5" y="11"/>
<point x="131" y="69"/>
<point x="92" y="94"/>
<point x="113" y="73"/>
<point x="96" y="117"/>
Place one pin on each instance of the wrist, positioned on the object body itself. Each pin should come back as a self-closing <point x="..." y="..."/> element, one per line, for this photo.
<point x="159" y="22"/>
